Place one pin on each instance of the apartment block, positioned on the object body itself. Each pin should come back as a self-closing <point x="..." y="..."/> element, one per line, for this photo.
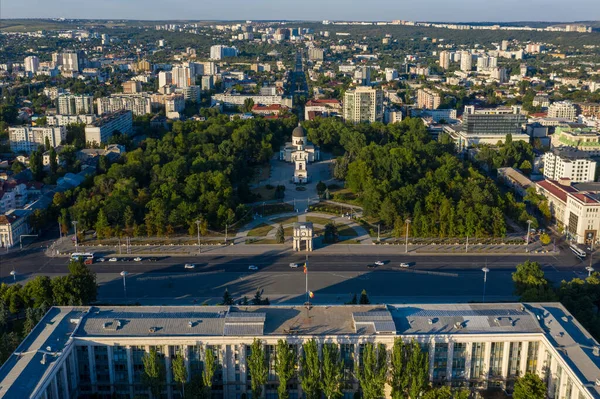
<point x="428" y="99"/>
<point x="102" y="129"/>
<point x="363" y="104"/>
<point x="565" y="163"/>
<point x="138" y="104"/>
<point x="71" y="104"/>
<point x="28" y="139"/>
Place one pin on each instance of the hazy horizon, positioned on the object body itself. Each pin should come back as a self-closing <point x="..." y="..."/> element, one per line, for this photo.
<point x="308" y="10"/>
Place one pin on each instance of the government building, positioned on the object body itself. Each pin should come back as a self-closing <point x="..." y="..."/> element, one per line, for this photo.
<point x="85" y="352"/>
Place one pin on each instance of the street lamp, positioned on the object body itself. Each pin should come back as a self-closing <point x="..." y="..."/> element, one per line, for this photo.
<point x="124" y="274"/>
<point x="407" y="221"/>
<point x="529" y="221"/>
<point x="74" y="222"/>
<point x="198" y="226"/>
<point x="589" y="270"/>
<point x="378" y="229"/>
<point x="485" y="271"/>
<point x="14" y="274"/>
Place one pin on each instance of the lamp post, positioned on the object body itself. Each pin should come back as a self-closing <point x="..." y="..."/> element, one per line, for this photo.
<point x="589" y="270"/>
<point x="407" y="221"/>
<point x="485" y="271"/>
<point x="124" y="274"/>
<point x="529" y="221"/>
<point x="74" y="222"/>
<point x="14" y="274"/>
<point x="198" y="226"/>
<point x="378" y="230"/>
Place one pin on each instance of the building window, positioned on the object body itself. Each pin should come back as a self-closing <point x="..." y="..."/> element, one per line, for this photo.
<point x="496" y="359"/>
<point x="514" y="359"/>
<point x="477" y="359"/>
<point x="532" y="357"/>
<point x="102" y="372"/>
<point x="458" y="360"/>
<point x="440" y="361"/>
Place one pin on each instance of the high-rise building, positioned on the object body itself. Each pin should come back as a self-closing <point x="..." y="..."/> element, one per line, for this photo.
<point x="71" y="104"/>
<point x="182" y="76"/>
<point x="164" y="78"/>
<point x="138" y="104"/>
<point x="428" y="99"/>
<point x="563" y="163"/>
<point x="562" y="109"/>
<point x="445" y="59"/>
<point x="132" y="87"/>
<point x="219" y="52"/>
<point x="362" y="75"/>
<point x="100" y="351"/>
<point x="191" y="93"/>
<point x="500" y="74"/>
<point x="28" y="139"/>
<point x="73" y="61"/>
<point x="363" y="104"/>
<point x="32" y="64"/>
<point x="208" y="82"/>
<point x="174" y="103"/>
<point x="316" y="54"/>
<point x="466" y="61"/>
<point x="483" y="63"/>
<point x="391" y="74"/>
<point x="504" y="45"/>
<point x="102" y="129"/>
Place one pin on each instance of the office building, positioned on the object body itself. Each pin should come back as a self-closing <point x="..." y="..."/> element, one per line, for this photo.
<point x="428" y="99"/>
<point x="589" y="109"/>
<point x="32" y="64"/>
<point x="28" y="139"/>
<point x="562" y="109"/>
<point x="445" y="59"/>
<point x="78" y="352"/>
<point x="584" y="139"/>
<point x="102" y="129"/>
<point x="164" y="78"/>
<point x="132" y="87"/>
<point x="71" y="104"/>
<point x="219" y="52"/>
<point x="316" y="54"/>
<point x="363" y="104"/>
<point x="139" y="104"/>
<point x="466" y="61"/>
<point x="64" y="120"/>
<point x="566" y="163"/>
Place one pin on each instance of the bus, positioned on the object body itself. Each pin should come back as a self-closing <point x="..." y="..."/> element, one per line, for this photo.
<point x="88" y="257"/>
<point x="578" y="252"/>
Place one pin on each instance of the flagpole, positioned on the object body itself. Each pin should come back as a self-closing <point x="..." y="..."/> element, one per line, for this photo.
<point x="306" y="276"/>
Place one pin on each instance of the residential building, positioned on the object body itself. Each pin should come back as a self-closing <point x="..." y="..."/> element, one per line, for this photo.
<point x="541" y="100"/>
<point x="28" y="139"/>
<point x="466" y="61"/>
<point x="174" y="103"/>
<point x="165" y="78"/>
<point x="219" y="52"/>
<point x="363" y="104"/>
<point x="436" y="115"/>
<point x="13" y="225"/>
<point x="73" y="61"/>
<point x="32" y="64"/>
<point x="322" y="107"/>
<point x="132" y="87"/>
<point x="71" y="104"/>
<point x="589" y="109"/>
<point x="64" y="120"/>
<point x="581" y="138"/>
<point x="13" y="195"/>
<point x="102" y="129"/>
<point x="182" y="76"/>
<point x="140" y="104"/>
<point x="316" y="54"/>
<point x="391" y="74"/>
<point x="567" y="163"/>
<point x="362" y="75"/>
<point x="99" y="351"/>
<point x="562" y="109"/>
<point x="445" y="59"/>
<point x="208" y="82"/>
<point x="578" y="212"/>
<point x="235" y="99"/>
<point x="190" y="93"/>
<point x="516" y="180"/>
<point x="428" y="99"/>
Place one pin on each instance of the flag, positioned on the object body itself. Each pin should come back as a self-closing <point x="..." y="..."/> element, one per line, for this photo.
<point x="305" y="269"/>
<point x="311" y="294"/>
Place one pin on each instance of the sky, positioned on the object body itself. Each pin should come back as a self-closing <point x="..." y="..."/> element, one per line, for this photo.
<point x="367" y="10"/>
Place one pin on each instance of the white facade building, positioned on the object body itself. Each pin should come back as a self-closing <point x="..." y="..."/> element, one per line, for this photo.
<point x="28" y="138"/>
<point x="64" y="120"/>
<point x="102" y="129"/>
<point x="71" y="104"/>
<point x="562" y="109"/>
<point x="13" y="225"/>
<point x="466" y="61"/>
<point x="219" y="52"/>
<point x="32" y="64"/>
<point x="363" y="104"/>
<point x="139" y="104"/>
<point x="569" y="164"/>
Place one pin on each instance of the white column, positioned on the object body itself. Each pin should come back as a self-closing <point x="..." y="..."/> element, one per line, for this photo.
<point x="505" y="359"/>
<point x="431" y="358"/>
<point x="487" y="355"/>
<point x="551" y="377"/>
<point x="523" y="363"/>
<point x="74" y="371"/>
<point x="129" y="353"/>
<point x="111" y="368"/>
<point x="186" y="359"/>
<point x="244" y="371"/>
<point x="93" y="380"/>
<point x="169" y="371"/>
<point x="63" y="375"/>
<point x="54" y="387"/>
<point x="450" y="357"/>
<point x="468" y="356"/>
<point x="563" y="383"/>
<point x="299" y="356"/>
<point x="541" y="359"/>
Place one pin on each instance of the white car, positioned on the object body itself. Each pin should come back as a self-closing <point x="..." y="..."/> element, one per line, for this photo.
<point x="138" y="259"/>
<point x="189" y="266"/>
<point x="379" y="263"/>
<point x="294" y="265"/>
<point x="252" y="267"/>
<point x="112" y="260"/>
<point x="404" y="265"/>
<point x="101" y="260"/>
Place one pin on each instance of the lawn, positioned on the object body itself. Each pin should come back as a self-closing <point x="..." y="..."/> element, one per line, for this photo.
<point x="264" y="192"/>
<point x="285" y="220"/>
<point x="260" y="231"/>
<point x="263" y="241"/>
<point x="262" y="173"/>
<point x="347" y="232"/>
<point x="318" y="220"/>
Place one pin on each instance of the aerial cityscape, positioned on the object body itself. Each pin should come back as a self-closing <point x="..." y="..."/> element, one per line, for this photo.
<point x="312" y="201"/>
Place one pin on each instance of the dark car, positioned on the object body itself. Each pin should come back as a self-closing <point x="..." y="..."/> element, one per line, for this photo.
<point x="152" y="259"/>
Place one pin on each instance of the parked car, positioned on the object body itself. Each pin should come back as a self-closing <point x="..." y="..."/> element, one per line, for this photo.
<point x="137" y="259"/>
<point x="112" y="260"/>
<point x="294" y="265"/>
<point x="371" y="266"/>
<point x="404" y="265"/>
<point x="252" y="267"/>
<point x="189" y="266"/>
<point x="101" y="260"/>
<point x="379" y="263"/>
<point x="153" y="259"/>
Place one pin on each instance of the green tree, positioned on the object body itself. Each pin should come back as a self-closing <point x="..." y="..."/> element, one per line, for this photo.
<point x="53" y="161"/>
<point x="179" y="372"/>
<point x="545" y="239"/>
<point x="398" y="377"/>
<point x="39" y="291"/>
<point x="330" y="233"/>
<point x="257" y="366"/>
<point x="82" y="283"/>
<point x="526" y="167"/>
<point x="417" y="368"/>
<point x="102" y="226"/>
<point x="310" y="371"/>
<point x="17" y="167"/>
<point x="154" y="372"/>
<point x="531" y="284"/>
<point x="371" y="373"/>
<point x="208" y="372"/>
<point x="285" y="364"/>
<point x="36" y="164"/>
<point x="529" y="386"/>
<point x="364" y="298"/>
<point x="227" y="298"/>
<point x="280" y="235"/>
<point x="333" y="372"/>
